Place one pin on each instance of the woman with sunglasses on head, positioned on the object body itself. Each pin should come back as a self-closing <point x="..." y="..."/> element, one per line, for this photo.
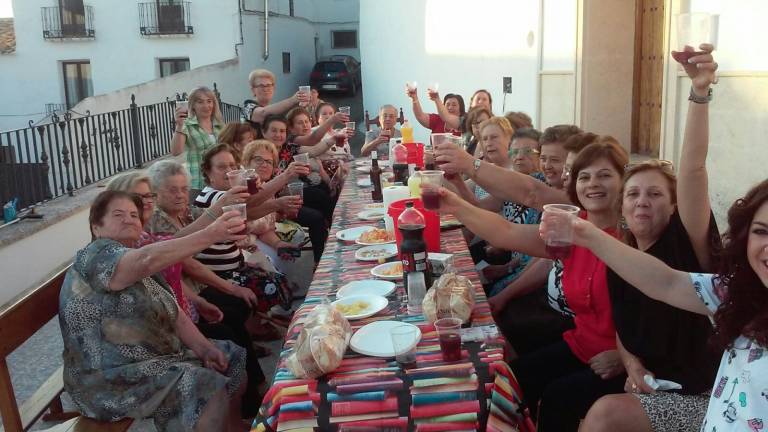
<point x="669" y="218"/>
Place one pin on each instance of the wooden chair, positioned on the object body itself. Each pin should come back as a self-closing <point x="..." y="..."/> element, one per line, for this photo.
<point x="375" y="121"/>
<point x="18" y="322"/>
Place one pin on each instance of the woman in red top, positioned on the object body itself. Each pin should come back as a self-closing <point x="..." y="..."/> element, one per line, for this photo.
<point x="453" y="103"/>
<point x="569" y="375"/>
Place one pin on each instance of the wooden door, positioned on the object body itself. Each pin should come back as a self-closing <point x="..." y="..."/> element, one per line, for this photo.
<point x="648" y="76"/>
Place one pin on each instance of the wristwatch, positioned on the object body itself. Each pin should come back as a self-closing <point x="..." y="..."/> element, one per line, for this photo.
<point x="693" y="97"/>
<point x="476" y="164"/>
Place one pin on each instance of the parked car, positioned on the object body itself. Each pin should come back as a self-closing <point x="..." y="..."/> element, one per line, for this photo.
<point x="336" y="73"/>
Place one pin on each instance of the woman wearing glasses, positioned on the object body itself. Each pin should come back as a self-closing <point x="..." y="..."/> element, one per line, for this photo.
<point x="262" y="84"/>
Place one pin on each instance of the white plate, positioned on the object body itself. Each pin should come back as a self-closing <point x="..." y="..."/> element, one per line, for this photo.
<point x="363" y="169"/>
<point x="374" y="339"/>
<point x="375" y="304"/>
<point x="375" y="206"/>
<point x="364" y="243"/>
<point x="364" y="182"/>
<point x="366" y="287"/>
<point x="377" y="271"/>
<point x="372" y="214"/>
<point x="386" y="251"/>
<point x="351" y="234"/>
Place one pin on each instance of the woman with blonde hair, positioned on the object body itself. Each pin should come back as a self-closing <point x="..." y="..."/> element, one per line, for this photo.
<point x="237" y="135"/>
<point x="197" y="130"/>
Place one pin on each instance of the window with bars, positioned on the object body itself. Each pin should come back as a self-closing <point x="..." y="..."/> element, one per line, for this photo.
<point x="170" y="66"/>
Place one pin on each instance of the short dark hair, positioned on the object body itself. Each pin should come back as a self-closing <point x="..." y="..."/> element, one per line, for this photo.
<point x="321" y="106"/>
<point x="606" y="147"/>
<point x="207" y="162"/>
<point x="558" y="133"/>
<point x="104" y="199"/>
<point x="529" y="133"/>
<point x="576" y="143"/>
<point x="459" y="99"/>
<point x="272" y="118"/>
<point x="295" y="112"/>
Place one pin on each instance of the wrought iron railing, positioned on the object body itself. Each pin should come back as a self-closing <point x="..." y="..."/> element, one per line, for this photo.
<point x="165" y="18"/>
<point x="62" y="23"/>
<point x="56" y="158"/>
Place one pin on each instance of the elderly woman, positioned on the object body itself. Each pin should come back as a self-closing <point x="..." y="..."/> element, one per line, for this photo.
<point x="206" y="316"/>
<point x="197" y="132"/>
<point x="454" y="104"/>
<point x="262" y="83"/>
<point x="128" y="352"/>
<point x="237" y="135"/>
<point x="379" y="139"/>
<point x="225" y="258"/>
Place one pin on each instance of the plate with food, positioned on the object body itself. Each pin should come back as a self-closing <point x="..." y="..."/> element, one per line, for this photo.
<point x="363" y="169"/>
<point x="374" y="339"/>
<point x="360" y="306"/>
<point x="365" y="182"/>
<point x="375" y="236"/>
<point x="390" y="270"/>
<point x="366" y="287"/>
<point x="352" y="234"/>
<point x="372" y="214"/>
<point x="376" y="252"/>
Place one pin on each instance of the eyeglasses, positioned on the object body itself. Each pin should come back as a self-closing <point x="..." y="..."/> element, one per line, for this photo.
<point x="264" y="86"/>
<point x="259" y="161"/>
<point x="148" y="196"/>
<point x="663" y="164"/>
<point x="525" y="151"/>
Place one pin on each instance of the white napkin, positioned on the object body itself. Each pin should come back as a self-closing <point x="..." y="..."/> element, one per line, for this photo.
<point x="660" y="384"/>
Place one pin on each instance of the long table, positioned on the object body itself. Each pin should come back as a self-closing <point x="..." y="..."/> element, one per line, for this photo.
<point x="456" y="396"/>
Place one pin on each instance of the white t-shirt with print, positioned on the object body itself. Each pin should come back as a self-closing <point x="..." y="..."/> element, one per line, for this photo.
<point x="739" y="400"/>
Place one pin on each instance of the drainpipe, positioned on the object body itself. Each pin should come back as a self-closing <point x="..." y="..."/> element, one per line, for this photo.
<point x="265" y="56"/>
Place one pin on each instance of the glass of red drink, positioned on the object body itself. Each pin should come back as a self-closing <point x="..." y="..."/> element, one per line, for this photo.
<point x="252" y="181"/>
<point x="430" y="183"/>
<point x="558" y="239"/>
<point x="448" y="331"/>
<point x="240" y="208"/>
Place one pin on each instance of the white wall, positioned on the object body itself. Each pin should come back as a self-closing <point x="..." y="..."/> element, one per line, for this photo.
<point x="119" y="55"/>
<point x="557" y="75"/>
<point x="739" y="111"/>
<point x="27" y="262"/>
<point x="409" y="40"/>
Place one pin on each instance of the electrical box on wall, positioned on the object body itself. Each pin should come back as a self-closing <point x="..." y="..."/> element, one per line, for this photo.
<point x="507" y="84"/>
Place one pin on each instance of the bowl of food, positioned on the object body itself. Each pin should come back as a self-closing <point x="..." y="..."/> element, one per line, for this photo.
<point x="360" y="306"/>
<point x="376" y="252"/>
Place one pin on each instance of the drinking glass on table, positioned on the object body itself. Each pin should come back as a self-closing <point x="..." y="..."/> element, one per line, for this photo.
<point x="431" y="180"/>
<point x="402" y="343"/>
<point x="448" y="331"/>
<point x="240" y="208"/>
<point x="558" y="238"/>
<point x="694" y="29"/>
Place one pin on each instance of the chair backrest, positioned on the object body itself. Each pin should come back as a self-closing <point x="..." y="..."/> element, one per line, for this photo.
<point x="18" y="322"/>
<point x="375" y="121"/>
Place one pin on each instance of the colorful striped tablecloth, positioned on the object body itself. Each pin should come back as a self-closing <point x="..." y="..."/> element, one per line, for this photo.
<point x="434" y="396"/>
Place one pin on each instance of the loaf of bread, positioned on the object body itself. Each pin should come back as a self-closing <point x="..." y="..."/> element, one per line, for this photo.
<point x="321" y="343"/>
<point x="450" y="296"/>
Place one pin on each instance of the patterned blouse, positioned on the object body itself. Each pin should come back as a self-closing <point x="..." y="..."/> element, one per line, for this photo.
<point x="198" y="141"/>
<point x="122" y="356"/>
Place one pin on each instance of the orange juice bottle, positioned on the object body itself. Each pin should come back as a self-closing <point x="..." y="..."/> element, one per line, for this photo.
<point x="407" y="131"/>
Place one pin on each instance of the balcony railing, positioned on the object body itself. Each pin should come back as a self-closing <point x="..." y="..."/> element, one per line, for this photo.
<point x="165" y="18"/>
<point x="49" y="160"/>
<point x="62" y="23"/>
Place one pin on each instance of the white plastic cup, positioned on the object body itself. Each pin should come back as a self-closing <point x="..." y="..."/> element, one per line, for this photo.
<point x="402" y="343"/>
<point x="558" y="240"/>
<point x="694" y="29"/>
<point x="346" y="110"/>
